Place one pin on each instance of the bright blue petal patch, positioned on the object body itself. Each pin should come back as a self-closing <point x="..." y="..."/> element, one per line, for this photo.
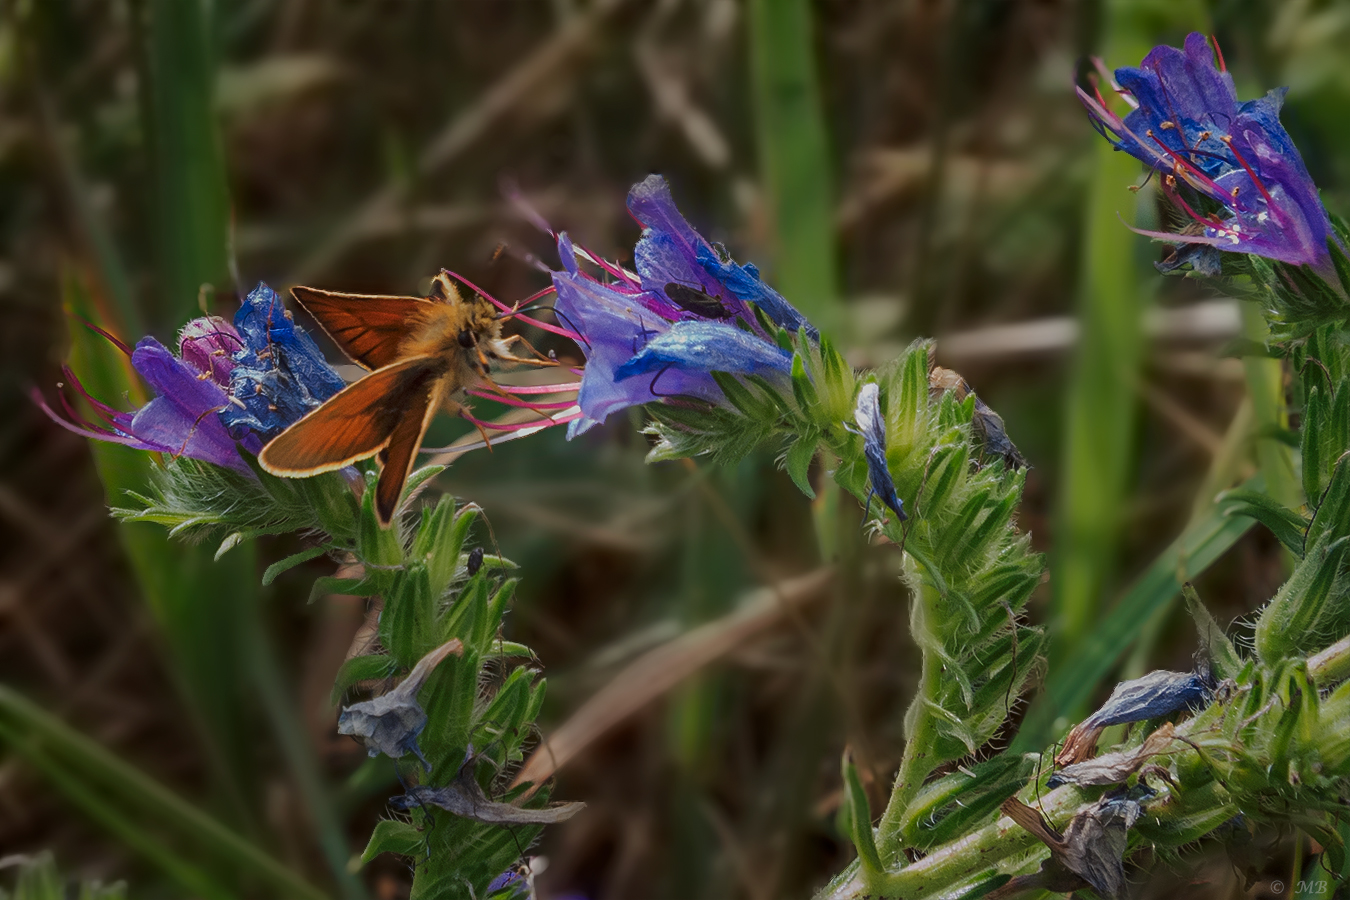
<point x="280" y="375"/>
<point x="745" y="284"/>
<point x="698" y="348"/>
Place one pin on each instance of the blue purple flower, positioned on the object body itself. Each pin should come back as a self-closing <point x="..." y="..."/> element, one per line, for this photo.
<point x="661" y="331"/>
<point x="871" y="424"/>
<point x="279" y="374"/>
<point x="1158" y="693"/>
<point x="230" y="386"/>
<point x="1188" y="124"/>
<point x="190" y="391"/>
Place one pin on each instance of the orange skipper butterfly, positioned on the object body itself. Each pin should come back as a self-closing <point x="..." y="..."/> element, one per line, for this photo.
<point x="422" y="352"/>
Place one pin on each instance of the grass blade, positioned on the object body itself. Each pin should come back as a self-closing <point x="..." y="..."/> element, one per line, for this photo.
<point x="190" y="877"/>
<point x="191" y="202"/>
<point x="1100" y="418"/>
<point x="91" y="761"/>
<point x="794" y="158"/>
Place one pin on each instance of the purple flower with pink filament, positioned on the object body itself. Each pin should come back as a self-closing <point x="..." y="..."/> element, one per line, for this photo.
<point x="191" y="389"/>
<point x="660" y="332"/>
<point x="229" y="387"/>
<point x="1187" y="123"/>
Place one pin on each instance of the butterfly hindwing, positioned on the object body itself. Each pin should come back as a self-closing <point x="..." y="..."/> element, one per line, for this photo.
<point x="397" y="457"/>
<point x="369" y="328"/>
<point x="359" y="421"/>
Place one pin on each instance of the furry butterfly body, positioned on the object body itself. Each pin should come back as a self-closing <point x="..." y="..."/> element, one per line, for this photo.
<point x="422" y="353"/>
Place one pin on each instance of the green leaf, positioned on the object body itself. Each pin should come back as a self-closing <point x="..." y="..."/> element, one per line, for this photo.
<point x="1316" y="411"/>
<point x="742" y="397"/>
<point x="1287" y="526"/>
<point x="231" y="541"/>
<point x="113" y="819"/>
<point x="290" y="562"/>
<point x="421" y="477"/>
<point x="1305" y="615"/>
<point x="795" y="166"/>
<point x="395" y="836"/>
<point x="948" y="807"/>
<point x="857" y="815"/>
<point x="1220" y="651"/>
<point x="802" y="388"/>
<point x="329" y="584"/>
<point x="1100" y="412"/>
<point x="371" y="667"/>
<point x="797" y="462"/>
<point x="48" y="739"/>
<point x="1332" y="517"/>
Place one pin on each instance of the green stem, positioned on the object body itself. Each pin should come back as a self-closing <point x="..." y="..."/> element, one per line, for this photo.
<point x="917" y="763"/>
<point x="1332" y="664"/>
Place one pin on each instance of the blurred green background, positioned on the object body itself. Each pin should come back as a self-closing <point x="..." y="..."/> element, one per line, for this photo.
<point x="897" y="169"/>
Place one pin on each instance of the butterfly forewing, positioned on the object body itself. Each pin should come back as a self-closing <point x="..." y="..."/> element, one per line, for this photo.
<point x="359" y="421"/>
<point x="369" y="328"/>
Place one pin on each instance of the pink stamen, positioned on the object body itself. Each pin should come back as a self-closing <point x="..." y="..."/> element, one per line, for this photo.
<point x="473" y="287"/>
<point x="1173" y="238"/>
<point x="521" y="404"/>
<point x="1211" y="220"/>
<point x="1214" y="39"/>
<point x="537" y="295"/>
<point x="517" y="426"/>
<point x="104" y="410"/>
<point x="1228" y="139"/>
<point x="541" y="388"/>
<point x="87" y="432"/>
<point x="1109" y="77"/>
<point x="552" y="329"/>
<point x="617" y="271"/>
<point x="511" y="311"/>
<point x="117" y="342"/>
<point x="1187" y="169"/>
<point x="79" y="420"/>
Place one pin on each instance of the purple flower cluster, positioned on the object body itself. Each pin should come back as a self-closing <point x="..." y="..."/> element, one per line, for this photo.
<point x="688" y="311"/>
<point x="1188" y="124"/>
<point x="198" y="410"/>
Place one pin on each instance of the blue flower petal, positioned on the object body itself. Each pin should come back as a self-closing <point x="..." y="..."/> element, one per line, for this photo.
<point x="745" y="284"/>
<point x="872" y="426"/>
<point x="1190" y="124"/>
<point x="1155" y="694"/>
<point x="684" y="356"/>
<point x="280" y="375"/>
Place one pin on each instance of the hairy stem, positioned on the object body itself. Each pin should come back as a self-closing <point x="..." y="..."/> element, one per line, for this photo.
<point x="917" y="763"/>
